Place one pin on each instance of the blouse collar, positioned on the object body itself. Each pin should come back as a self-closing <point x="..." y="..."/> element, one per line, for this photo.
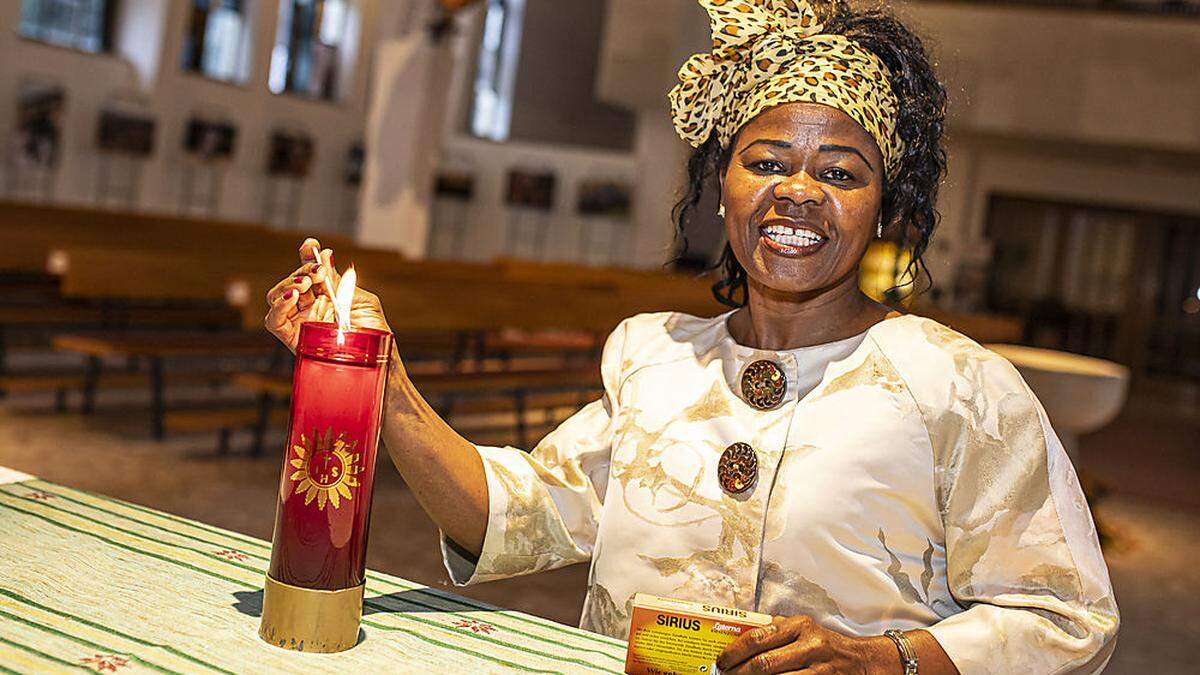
<point x="804" y="367"/>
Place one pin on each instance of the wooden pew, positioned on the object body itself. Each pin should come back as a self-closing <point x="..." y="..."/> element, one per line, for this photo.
<point x="982" y="328"/>
<point x="156" y="350"/>
<point x="195" y="276"/>
<point x="40" y="238"/>
<point x="528" y="295"/>
<point x="224" y="421"/>
<point x="62" y="381"/>
<point x="33" y="231"/>
<point x="116" y="258"/>
<point x="452" y="394"/>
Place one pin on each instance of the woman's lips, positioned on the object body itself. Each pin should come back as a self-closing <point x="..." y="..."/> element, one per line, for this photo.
<point x="791" y="242"/>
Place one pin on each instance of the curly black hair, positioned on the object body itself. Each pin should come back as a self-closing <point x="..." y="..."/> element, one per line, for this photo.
<point x="908" y="201"/>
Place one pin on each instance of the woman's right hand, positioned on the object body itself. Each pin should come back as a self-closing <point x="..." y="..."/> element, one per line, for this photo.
<point x="443" y="469"/>
<point x="301" y="297"/>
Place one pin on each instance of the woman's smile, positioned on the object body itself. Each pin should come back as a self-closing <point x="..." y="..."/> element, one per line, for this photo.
<point x="791" y="239"/>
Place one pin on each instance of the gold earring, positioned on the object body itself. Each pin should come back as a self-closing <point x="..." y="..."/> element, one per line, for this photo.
<point x="721" y="210"/>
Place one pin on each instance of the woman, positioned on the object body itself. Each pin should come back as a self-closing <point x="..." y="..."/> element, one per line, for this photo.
<point x="808" y="454"/>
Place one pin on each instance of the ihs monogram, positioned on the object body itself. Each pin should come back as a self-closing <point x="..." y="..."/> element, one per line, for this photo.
<point x="326" y="468"/>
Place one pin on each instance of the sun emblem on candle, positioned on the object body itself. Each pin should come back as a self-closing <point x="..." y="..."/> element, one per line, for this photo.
<point x="326" y="468"/>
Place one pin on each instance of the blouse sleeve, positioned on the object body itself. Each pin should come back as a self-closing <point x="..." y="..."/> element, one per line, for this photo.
<point x="1022" y="553"/>
<point x="544" y="506"/>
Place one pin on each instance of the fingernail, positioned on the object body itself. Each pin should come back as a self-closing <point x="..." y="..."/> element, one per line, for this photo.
<point x="297" y="279"/>
<point x="290" y="294"/>
<point x="316" y="268"/>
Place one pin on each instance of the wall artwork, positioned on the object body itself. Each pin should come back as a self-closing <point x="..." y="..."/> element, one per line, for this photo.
<point x="290" y="154"/>
<point x="455" y="185"/>
<point x="39" y="125"/>
<point x="531" y="189"/>
<point x="453" y="191"/>
<point x="356" y="157"/>
<point x="209" y="140"/>
<point x="125" y="133"/>
<point x="604" y="198"/>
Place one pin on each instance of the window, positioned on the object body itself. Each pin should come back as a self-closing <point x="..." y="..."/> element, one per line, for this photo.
<point x="214" y="45"/>
<point x="79" y="24"/>
<point x="311" y="43"/>
<point x="536" y="75"/>
<point x="491" y="115"/>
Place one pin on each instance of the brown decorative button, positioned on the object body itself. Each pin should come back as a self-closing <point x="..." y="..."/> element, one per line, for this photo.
<point x="763" y="384"/>
<point x="738" y="468"/>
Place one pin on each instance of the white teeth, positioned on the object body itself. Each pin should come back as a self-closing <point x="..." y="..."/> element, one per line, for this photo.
<point x="792" y="236"/>
<point x="787" y="236"/>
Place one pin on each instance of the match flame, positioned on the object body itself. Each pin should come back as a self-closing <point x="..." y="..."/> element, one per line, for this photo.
<point x="344" y="299"/>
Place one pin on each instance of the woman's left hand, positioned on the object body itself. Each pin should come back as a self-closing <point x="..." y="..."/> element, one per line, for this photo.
<point x="799" y="644"/>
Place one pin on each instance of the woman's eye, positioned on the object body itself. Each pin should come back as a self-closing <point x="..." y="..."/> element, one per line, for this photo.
<point x="768" y="166"/>
<point x="839" y="175"/>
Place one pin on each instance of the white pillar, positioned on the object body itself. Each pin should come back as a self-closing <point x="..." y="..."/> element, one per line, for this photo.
<point x="661" y="160"/>
<point x="644" y="45"/>
<point x="412" y="80"/>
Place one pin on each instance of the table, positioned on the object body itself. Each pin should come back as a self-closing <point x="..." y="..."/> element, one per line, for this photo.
<point x="110" y="586"/>
<point x="155" y="348"/>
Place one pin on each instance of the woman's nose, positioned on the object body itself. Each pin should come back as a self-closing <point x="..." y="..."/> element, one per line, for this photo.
<point x="799" y="188"/>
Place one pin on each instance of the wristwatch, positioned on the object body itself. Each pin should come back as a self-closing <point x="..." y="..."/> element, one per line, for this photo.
<point x="908" y="655"/>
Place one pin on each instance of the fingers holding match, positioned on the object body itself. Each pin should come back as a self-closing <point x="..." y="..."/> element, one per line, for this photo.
<point x="305" y="295"/>
<point x="303" y="279"/>
<point x="280" y="319"/>
<point x="318" y="283"/>
<point x="303" y="283"/>
<point x="306" y="251"/>
<point x="327" y="271"/>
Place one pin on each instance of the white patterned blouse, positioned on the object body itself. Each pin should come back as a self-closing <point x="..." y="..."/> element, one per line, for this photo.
<point x="907" y="478"/>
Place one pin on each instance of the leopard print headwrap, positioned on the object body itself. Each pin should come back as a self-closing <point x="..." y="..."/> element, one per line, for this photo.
<point x="770" y="52"/>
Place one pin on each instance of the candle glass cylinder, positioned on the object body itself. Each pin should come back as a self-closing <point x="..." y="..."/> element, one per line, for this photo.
<point x="314" y="586"/>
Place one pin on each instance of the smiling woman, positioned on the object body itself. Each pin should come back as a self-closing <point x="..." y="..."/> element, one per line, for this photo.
<point x="915" y="103"/>
<point x="889" y="490"/>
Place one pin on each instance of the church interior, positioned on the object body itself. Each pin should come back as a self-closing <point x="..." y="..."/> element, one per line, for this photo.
<point x="502" y="173"/>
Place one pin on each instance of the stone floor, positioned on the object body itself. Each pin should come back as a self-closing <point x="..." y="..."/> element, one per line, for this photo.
<point x="1148" y="460"/>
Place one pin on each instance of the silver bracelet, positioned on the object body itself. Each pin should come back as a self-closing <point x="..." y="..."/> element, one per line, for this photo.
<point x="908" y="655"/>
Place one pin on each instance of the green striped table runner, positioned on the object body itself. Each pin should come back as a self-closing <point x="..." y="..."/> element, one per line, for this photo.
<point x="96" y="584"/>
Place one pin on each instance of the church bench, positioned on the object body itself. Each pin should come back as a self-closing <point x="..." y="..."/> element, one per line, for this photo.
<point x="62" y="381"/>
<point x="224" y="421"/>
<point x="155" y="349"/>
<point x="472" y="393"/>
<point x="31" y="327"/>
<point x="982" y="328"/>
<point x="475" y="417"/>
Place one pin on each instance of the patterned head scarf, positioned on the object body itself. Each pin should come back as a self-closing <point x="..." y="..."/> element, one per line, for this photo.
<point x="770" y="52"/>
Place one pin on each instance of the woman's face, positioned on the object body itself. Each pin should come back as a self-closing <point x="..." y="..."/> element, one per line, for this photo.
<point x="802" y="196"/>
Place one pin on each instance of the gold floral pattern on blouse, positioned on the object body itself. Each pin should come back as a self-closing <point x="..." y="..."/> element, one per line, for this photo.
<point x="918" y="485"/>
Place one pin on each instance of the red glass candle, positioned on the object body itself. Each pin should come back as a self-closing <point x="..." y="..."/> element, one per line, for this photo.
<point x="313" y="599"/>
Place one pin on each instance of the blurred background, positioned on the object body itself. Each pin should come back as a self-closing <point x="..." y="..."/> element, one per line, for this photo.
<point x="501" y="172"/>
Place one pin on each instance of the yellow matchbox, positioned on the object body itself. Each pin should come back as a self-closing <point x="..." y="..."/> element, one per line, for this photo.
<point x="676" y="637"/>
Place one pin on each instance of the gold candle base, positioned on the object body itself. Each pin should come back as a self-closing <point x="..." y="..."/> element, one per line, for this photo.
<point x="308" y="620"/>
